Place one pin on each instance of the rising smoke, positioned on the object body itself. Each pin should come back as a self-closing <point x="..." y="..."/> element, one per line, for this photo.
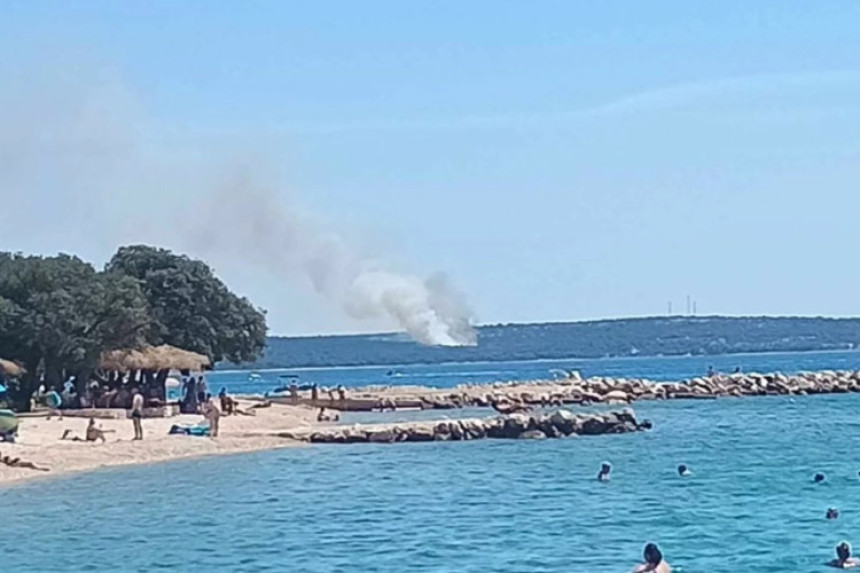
<point x="266" y="232"/>
<point x="83" y="169"/>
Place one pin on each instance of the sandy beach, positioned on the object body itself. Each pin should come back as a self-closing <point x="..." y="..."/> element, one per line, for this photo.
<point x="39" y="441"/>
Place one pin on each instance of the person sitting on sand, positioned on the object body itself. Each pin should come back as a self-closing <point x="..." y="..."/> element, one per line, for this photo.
<point x="843" y="557"/>
<point x="212" y="415"/>
<point x="93" y="434"/>
<point x="653" y="561"/>
<point x="228" y="404"/>
<point x="832" y="513"/>
<point x="605" y="469"/>
<point x="684" y="471"/>
<point x="323" y="417"/>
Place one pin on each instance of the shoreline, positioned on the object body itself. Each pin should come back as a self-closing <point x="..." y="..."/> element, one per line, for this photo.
<point x="39" y="442"/>
<point x="284" y="424"/>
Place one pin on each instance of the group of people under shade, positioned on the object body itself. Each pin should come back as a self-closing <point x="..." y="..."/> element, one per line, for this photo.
<point x="653" y="557"/>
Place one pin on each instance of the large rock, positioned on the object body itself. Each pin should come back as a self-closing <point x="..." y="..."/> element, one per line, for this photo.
<point x="532" y="435"/>
<point x="354" y="435"/>
<point x="420" y="434"/>
<point x="593" y="425"/>
<point x="564" y="421"/>
<point x="616" y="396"/>
<point x="386" y="436"/>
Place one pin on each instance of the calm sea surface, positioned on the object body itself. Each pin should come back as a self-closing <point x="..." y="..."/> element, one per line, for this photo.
<point x="482" y="506"/>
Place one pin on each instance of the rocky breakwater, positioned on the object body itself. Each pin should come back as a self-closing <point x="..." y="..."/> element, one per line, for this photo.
<point x="723" y="385"/>
<point x="558" y="424"/>
<point x="605" y="390"/>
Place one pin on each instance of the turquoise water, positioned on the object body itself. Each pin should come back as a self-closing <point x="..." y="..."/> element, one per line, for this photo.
<point x="448" y="375"/>
<point x="473" y="506"/>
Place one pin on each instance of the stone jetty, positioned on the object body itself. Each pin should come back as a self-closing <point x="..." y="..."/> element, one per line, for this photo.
<point x="605" y="390"/>
<point x="558" y="424"/>
<point x="508" y="397"/>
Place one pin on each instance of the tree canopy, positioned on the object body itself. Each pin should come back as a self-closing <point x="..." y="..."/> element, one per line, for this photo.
<point x="189" y="307"/>
<point x="58" y="313"/>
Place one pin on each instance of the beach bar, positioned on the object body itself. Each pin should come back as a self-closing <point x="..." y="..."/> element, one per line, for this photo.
<point x="155" y="370"/>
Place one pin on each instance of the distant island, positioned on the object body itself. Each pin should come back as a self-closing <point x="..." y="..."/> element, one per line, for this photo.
<point x="654" y="336"/>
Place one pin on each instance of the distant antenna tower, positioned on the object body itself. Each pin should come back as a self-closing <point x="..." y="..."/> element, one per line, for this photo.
<point x="688" y="304"/>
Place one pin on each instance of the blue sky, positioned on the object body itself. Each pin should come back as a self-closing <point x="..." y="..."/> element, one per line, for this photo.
<point x="557" y="160"/>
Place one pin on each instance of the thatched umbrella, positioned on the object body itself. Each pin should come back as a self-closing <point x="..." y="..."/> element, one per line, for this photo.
<point x="153" y="358"/>
<point x="11" y="369"/>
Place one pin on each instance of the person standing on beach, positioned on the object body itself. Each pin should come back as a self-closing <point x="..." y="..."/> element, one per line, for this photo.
<point x="212" y="415"/>
<point x="137" y="413"/>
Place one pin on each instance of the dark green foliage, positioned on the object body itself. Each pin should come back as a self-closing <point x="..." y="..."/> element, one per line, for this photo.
<point x="625" y="337"/>
<point x="58" y="313"/>
<point x="189" y="307"/>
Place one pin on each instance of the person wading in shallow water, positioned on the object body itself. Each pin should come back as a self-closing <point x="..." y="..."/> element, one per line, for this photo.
<point x="137" y="414"/>
<point x="653" y="561"/>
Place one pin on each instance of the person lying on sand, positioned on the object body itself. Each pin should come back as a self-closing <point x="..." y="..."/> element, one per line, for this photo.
<point x="653" y="561"/>
<point x="19" y="463"/>
<point x="93" y="434"/>
<point x="843" y="557"/>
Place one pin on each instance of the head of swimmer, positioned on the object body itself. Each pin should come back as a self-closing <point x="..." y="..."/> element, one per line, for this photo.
<point x="652" y="555"/>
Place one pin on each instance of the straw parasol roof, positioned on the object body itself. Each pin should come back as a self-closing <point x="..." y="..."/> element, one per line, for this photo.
<point x="162" y="357"/>
<point x="11" y="368"/>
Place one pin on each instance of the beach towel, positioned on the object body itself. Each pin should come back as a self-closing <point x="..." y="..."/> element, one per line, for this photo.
<point x="200" y="430"/>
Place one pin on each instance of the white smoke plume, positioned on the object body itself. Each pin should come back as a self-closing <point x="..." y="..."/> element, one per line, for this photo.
<point x="286" y="241"/>
<point x="80" y="159"/>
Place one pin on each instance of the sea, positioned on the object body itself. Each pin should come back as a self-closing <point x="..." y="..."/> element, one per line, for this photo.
<point x="750" y="504"/>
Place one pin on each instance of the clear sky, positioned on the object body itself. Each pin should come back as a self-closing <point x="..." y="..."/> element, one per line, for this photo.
<point x="557" y="160"/>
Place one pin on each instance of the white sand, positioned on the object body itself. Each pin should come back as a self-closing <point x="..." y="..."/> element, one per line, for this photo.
<point x="39" y="441"/>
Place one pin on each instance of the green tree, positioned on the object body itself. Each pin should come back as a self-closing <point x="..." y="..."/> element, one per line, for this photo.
<point x="57" y="314"/>
<point x="190" y="307"/>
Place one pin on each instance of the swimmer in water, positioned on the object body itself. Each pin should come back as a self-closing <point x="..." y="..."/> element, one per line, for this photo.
<point x="684" y="471"/>
<point x="832" y="513"/>
<point x="819" y="477"/>
<point x="843" y="557"/>
<point x="605" y="468"/>
<point x="653" y="561"/>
